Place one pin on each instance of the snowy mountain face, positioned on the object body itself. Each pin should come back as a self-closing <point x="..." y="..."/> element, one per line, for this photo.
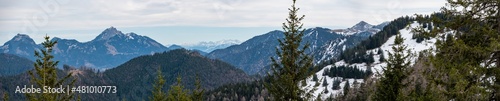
<point x="21" y="45"/>
<point x="107" y="50"/>
<point x="361" y="29"/>
<point x="352" y="36"/>
<point x="253" y="55"/>
<point x="109" y="33"/>
<point x="375" y="67"/>
<point x="211" y="45"/>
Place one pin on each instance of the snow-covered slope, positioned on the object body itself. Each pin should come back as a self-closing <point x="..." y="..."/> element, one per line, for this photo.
<point x="352" y="36"/>
<point x="375" y="67"/>
<point x="361" y="28"/>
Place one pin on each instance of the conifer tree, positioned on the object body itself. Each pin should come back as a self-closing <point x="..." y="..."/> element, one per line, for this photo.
<point x="347" y="86"/>
<point x="303" y="83"/>
<point x="315" y="77"/>
<point x="198" y="92"/>
<point x="390" y="83"/>
<point x="326" y="90"/>
<point x="178" y="93"/>
<point x="46" y="75"/>
<point x="379" y="51"/>
<point x="6" y="96"/>
<point x="293" y="63"/>
<point x="469" y="57"/>
<point x="316" y="83"/>
<point x="325" y="83"/>
<point x="382" y="57"/>
<point x="158" y="94"/>
<point x="336" y="84"/>
<point x="370" y="58"/>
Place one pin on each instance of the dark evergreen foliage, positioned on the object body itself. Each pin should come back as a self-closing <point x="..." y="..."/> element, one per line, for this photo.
<point x="315" y="77"/>
<point x="293" y="64"/>
<point x="348" y="72"/>
<point x="466" y="60"/>
<point x="5" y="96"/>
<point x="325" y="83"/>
<point x="336" y="84"/>
<point x="197" y="93"/>
<point x="247" y="91"/>
<point x="133" y="76"/>
<point x="391" y="82"/>
<point x="14" y="65"/>
<point x="382" y="57"/>
<point x="380" y="51"/>
<point x="347" y="86"/>
<point x="157" y="93"/>
<point x="326" y="72"/>
<point x="134" y="80"/>
<point x="177" y="92"/>
<point x="45" y="75"/>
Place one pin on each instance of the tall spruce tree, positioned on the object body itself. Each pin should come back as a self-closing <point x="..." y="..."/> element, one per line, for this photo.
<point x="197" y="94"/>
<point x="178" y="93"/>
<point x="347" y="86"/>
<point x="325" y="83"/>
<point x="336" y="84"/>
<point x="390" y="84"/>
<point x="315" y="77"/>
<point x="467" y="61"/>
<point x="46" y="75"/>
<point x="157" y="93"/>
<point x="382" y="57"/>
<point x="293" y="63"/>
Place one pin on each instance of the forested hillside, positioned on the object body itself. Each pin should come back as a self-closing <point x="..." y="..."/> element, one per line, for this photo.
<point x="134" y="79"/>
<point x="13" y="65"/>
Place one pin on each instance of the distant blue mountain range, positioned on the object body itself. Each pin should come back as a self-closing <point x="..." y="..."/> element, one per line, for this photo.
<point x="253" y="55"/>
<point x="112" y="47"/>
<point x="109" y="49"/>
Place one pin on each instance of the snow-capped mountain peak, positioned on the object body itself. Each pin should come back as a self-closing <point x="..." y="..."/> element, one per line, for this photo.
<point x="21" y="45"/>
<point x="214" y="43"/>
<point x="22" y="38"/>
<point x="362" y="26"/>
<point x="131" y="35"/>
<point x="208" y="46"/>
<point x="109" y="49"/>
<point x="361" y="29"/>
<point x="108" y="33"/>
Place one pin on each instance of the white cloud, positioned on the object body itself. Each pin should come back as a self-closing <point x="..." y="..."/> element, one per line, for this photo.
<point x="100" y="14"/>
<point x="223" y="12"/>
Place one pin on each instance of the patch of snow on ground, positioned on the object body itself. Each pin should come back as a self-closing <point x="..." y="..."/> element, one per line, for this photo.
<point x="129" y="36"/>
<point x="375" y="67"/>
<point x="5" y="48"/>
<point x="321" y="89"/>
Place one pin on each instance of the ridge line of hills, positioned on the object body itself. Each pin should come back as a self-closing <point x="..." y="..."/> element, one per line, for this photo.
<point x="112" y="47"/>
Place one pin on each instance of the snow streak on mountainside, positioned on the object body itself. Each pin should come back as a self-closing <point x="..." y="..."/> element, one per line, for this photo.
<point x="375" y="67"/>
<point x="252" y="56"/>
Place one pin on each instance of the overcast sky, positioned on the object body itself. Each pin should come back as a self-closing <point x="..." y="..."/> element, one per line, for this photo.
<point x="190" y="21"/>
